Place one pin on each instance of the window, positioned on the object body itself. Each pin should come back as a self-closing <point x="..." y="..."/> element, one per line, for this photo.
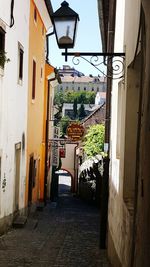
<point x="97" y="89"/>
<point x="33" y="79"/>
<point x="119" y="119"/>
<point x="92" y="89"/>
<point x="41" y="73"/>
<point x="20" y="62"/>
<point x="35" y="15"/>
<point x="84" y="88"/>
<point x="43" y="30"/>
<point x="2" y="39"/>
<point x="2" y="47"/>
<point x="78" y="88"/>
<point x="130" y="120"/>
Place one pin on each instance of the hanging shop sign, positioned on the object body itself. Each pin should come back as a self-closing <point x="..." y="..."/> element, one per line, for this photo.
<point x="62" y="152"/>
<point x="55" y="149"/>
<point x="75" y="131"/>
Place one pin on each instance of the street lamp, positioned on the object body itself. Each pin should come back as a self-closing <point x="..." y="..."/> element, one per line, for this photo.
<point x="65" y="22"/>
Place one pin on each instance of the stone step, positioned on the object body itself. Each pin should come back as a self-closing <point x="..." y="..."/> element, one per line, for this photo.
<point x="19" y="221"/>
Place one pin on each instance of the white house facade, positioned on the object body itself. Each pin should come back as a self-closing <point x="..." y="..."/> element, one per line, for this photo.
<point x="14" y="28"/>
<point x="76" y="81"/>
<point x="128" y="212"/>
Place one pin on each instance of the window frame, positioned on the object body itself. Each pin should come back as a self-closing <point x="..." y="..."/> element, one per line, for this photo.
<point x="35" y="15"/>
<point x="2" y="32"/>
<point x="20" y="63"/>
<point x="34" y="70"/>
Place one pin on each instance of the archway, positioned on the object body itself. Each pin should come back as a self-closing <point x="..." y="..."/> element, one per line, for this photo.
<point x="65" y="181"/>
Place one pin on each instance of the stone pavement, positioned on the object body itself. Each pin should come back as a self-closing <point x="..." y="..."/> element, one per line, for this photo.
<point x="62" y="235"/>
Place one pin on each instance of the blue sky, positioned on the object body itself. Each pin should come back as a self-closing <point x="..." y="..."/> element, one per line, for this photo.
<point x="87" y="39"/>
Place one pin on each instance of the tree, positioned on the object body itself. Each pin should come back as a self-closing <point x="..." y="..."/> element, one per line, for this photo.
<point x="81" y="112"/>
<point x="59" y="99"/>
<point x="90" y="97"/>
<point x="87" y="97"/>
<point x="64" y="124"/>
<point x="94" y="140"/>
<point x="75" y="110"/>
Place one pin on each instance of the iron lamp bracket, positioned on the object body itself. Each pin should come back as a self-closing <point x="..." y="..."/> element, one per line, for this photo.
<point x="111" y="65"/>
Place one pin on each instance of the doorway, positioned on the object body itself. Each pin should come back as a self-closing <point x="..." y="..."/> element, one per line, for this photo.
<point x="17" y="175"/>
<point x="30" y="183"/>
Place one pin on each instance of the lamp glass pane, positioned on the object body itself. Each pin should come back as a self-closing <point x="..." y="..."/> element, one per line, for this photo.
<point x="65" y="31"/>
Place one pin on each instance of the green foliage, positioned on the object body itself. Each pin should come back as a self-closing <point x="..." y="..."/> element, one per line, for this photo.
<point x="90" y="97"/>
<point x="3" y="58"/>
<point x="59" y="99"/>
<point x="75" y="109"/>
<point x="94" y="140"/>
<point x="87" y="97"/>
<point x="75" y="98"/>
<point x="81" y="112"/>
<point x="63" y="124"/>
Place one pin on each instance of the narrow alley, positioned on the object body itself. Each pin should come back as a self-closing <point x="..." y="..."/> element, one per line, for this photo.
<point x="62" y="235"/>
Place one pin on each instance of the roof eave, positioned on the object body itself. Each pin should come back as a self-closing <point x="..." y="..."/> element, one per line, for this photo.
<point x="103" y="21"/>
<point x="49" y="7"/>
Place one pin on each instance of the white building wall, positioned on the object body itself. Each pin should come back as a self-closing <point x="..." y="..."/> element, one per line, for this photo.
<point x="119" y="217"/>
<point x="77" y="86"/>
<point x="13" y="103"/>
<point x="68" y="161"/>
<point x="132" y="19"/>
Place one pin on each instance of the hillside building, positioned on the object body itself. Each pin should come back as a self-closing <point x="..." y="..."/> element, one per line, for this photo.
<point x="76" y="81"/>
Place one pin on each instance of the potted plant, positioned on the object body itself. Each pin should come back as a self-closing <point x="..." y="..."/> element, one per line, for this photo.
<point x="3" y="58"/>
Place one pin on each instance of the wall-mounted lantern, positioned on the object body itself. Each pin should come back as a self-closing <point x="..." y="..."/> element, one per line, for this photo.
<point x="65" y="22"/>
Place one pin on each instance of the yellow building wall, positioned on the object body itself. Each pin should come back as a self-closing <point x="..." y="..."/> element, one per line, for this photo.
<point x="48" y="70"/>
<point x="35" y="137"/>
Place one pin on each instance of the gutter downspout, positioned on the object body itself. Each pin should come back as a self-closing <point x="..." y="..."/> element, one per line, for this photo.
<point x="47" y="45"/>
<point x="46" y="148"/>
<point x="47" y="135"/>
<point x="12" y="21"/>
<point x="105" y="180"/>
<point x="75" y="186"/>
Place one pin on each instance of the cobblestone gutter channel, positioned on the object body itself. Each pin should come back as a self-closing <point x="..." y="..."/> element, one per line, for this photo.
<point x="63" y="236"/>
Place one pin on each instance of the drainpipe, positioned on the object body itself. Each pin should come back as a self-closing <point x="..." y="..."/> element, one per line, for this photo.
<point x="52" y="77"/>
<point x="105" y="180"/>
<point x="75" y="186"/>
<point x="46" y="148"/>
<point x="47" y="45"/>
<point x="12" y="21"/>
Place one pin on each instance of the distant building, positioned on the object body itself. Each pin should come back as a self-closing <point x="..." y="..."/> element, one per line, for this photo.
<point x="100" y="100"/>
<point x="68" y="71"/>
<point x="76" y="81"/>
<point x="97" y="116"/>
<point x="68" y="109"/>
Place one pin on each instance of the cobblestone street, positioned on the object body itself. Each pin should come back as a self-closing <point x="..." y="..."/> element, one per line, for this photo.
<point x="62" y="235"/>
